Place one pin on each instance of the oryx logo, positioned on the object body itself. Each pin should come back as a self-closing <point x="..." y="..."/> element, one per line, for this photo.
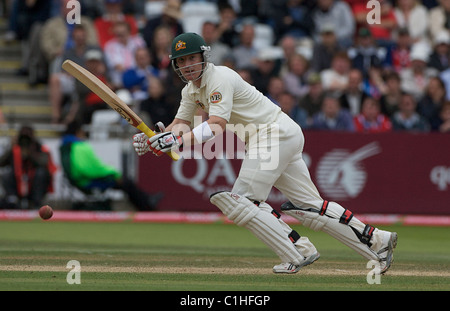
<point x="341" y="174"/>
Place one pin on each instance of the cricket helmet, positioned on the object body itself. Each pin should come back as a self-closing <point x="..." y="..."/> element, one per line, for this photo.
<point x="187" y="44"/>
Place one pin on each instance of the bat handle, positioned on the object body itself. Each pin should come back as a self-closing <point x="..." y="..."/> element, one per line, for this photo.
<point x="147" y="131"/>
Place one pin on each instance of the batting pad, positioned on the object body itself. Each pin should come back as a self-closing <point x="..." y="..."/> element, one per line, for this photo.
<point x="340" y="224"/>
<point x="303" y="245"/>
<point x="262" y="224"/>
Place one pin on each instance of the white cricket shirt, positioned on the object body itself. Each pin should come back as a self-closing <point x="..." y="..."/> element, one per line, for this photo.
<point x="223" y="93"/>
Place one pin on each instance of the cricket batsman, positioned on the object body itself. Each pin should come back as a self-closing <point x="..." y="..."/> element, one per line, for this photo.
<point x="229" y="102"/>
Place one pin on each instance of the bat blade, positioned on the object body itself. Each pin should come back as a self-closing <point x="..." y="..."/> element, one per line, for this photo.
<point x="109" y="97"/>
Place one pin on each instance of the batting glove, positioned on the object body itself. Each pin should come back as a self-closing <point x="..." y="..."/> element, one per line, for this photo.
<point x="140" y="141"/>
<point x="140" y="144"/>
<point x="164" y="142"/>
<point x="160" y="127"/>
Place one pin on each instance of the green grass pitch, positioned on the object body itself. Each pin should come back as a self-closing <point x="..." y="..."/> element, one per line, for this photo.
<point x="202" y="257"/>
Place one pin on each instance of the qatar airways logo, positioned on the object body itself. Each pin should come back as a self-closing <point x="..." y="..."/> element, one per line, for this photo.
<point x="341" y="174"/>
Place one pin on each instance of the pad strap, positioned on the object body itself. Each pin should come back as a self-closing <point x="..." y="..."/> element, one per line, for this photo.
<point x="276" y="214"/>
<point x="346" y="217"/>
<point x="366" y="235"/>
<point x="294" y="236"/>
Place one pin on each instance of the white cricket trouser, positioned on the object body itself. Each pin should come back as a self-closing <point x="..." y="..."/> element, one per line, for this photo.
<point x="287" y="170"/>
<point x="282" y="162"/>
<point x="289" y="174"/>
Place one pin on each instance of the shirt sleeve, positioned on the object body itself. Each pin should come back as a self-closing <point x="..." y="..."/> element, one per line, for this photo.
<point x="187" y="108"/>
<point x="220" y="99"/>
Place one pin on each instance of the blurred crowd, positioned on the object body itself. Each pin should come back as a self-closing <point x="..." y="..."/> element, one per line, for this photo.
<point x="320" y="61"/>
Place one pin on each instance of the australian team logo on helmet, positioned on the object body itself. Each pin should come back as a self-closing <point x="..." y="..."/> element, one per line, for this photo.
<point x="187" y="44"/>
<point x="180" y="45"/>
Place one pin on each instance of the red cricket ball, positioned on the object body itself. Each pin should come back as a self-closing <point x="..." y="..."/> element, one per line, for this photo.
<point x="46" y="212"/>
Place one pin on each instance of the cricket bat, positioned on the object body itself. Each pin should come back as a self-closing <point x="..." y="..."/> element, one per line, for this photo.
<point x="109" y="97"/>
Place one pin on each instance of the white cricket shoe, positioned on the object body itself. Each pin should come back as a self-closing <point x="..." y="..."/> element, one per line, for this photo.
<point x="387" y="253"/>
<point x="289" y="268"/>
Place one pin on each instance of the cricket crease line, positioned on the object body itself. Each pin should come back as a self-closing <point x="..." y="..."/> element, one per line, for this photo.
<point x="217" y="270"/>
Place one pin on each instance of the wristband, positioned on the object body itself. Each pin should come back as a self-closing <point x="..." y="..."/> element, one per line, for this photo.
<point x="203" y="132"/>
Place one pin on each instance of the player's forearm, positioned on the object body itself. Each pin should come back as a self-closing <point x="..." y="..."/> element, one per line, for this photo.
<point x="178" y="127"/>
<point x="205" y="131"/>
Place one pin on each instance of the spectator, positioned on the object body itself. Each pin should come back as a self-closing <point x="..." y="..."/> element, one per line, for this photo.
<point x="429" y="4"/>
<point x="173" y="86"/>
<point x="438" y="18"/>
<point x="324" y="49"/>
<point x="2" y="117"/>
<point x="289" y="46"/>
<point x="136" y="79"/>
<point x="57" y="36"/>
<point x="87" y="171"/>
<point x="339" y="15"/>
<point x="266" y="69"/>
<point x="382" y="32"/>
<point x="246" y="75"/>
<point x="23" y="15"/>
<point x="366" y="54"/>
<point x="392" y="95"/>
<point x="92" y="9"/>
<point x="371" y="120"/>
<point x="288" y="105"/>
<point x="120" y="51"/>
<point x="275" y="89"/>
<point x="30" y="174"/>
<point x="312" y="101"/>
<point x="374" y="84"/>
<point x="245" y="53"/>
<point x="295" y="78"/>
<point x="27" y="19"/>
<point x="226" y="31"/>
<point x="400" y="53"/>
<point x="353" y="95"/>
<point x="160" y="50"/>
<point x="87" y="101"/>
<point x="412" y="15"/>
<point x="61" y="84"/>
<point x="169" y="19"/>
<point x="430" y="105"/>
<point x="332" y="116"/>
<point x="220" y="50"/>
<point x="416" y="78"/>
<point x="156" y="105"/>
<point x="114" y="13"/>
<point x="273" y="13"/>
<point x="336" y="77"/>
<point x="445" y="118"/>
<point x="298" y="21"/>
<point x="440" y="57"/>
<point x="406" y="118"/>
